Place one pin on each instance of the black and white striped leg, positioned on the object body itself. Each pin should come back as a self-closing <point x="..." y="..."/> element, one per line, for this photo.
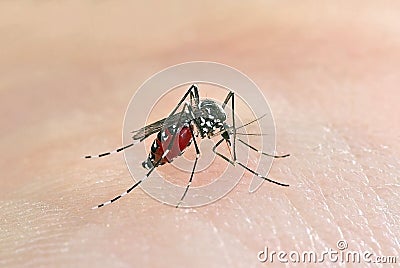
<point x="129" y="190"/>
<point x="112" y="152"/>
<point x="233" y="162"/>
<point x="193" y="170"/>
<point x="261" y="152"/>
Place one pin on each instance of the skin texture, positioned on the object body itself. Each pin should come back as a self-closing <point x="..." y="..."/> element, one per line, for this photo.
<point x="330" y="72"/>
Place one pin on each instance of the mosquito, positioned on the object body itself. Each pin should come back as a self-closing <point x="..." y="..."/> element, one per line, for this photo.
<point x="190" y="119"/>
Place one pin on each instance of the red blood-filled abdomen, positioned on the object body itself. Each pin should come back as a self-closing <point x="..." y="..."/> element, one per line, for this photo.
<point x="181" y="141"/>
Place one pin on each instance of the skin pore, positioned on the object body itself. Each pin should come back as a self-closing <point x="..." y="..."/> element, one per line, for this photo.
<point x="67" y="72"/>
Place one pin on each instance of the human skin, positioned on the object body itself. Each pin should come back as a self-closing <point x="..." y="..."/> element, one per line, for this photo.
<point x="67" y="72"/>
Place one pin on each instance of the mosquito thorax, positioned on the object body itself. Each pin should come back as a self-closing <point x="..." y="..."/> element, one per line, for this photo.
<point x="211" y="118"/>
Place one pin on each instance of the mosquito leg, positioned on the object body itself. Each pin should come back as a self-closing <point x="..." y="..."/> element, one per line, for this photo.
<point x="221" y="155"/>
<point x="112" y="152"/>
<point x="190" y="111"/>
<point x="251" y="134"/>
<point x="194" y="95"/>
<point x="234" y="127"/>
<point x="144" y="132"/>
<point x="129" y="190"/>
<point x="260" y="176"/>
<point x="231" y="96"/>
<point x="258" y="151"/>
<point x="177" y="124"/>
<point x="193" y="91"/>
<point x="194" y="168"/>
<point x="243" y="166"/>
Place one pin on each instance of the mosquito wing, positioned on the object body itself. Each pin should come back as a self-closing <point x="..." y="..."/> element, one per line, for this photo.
<point x="146" y="131"/>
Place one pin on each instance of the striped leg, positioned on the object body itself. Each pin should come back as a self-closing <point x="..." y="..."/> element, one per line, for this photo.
<point x="112" y="152"/>
<point x="127" y="191"/>
<point x="233" y="162"/>
<point x="194" y="168"/>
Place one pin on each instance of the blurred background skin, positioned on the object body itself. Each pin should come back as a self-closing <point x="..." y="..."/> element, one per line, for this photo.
<point x="330" y="71"/>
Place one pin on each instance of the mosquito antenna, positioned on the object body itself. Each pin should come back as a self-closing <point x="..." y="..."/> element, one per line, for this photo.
<point x="112" y="152"/>
<point x="242" y="126"/>
<point x="255" y="120"/>
<point x="245" y="134"/>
